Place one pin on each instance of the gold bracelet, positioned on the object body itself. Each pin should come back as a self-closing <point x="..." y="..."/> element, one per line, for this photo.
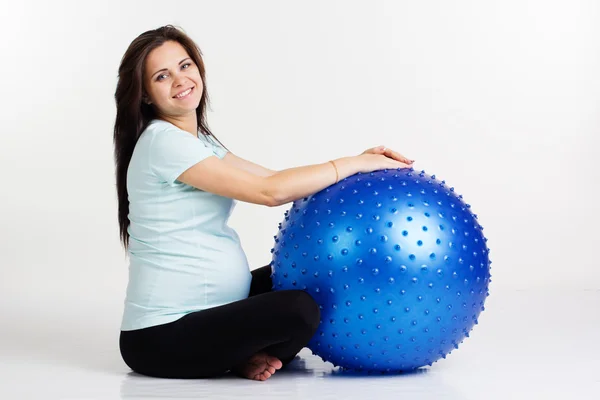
<point x="337" y="175"/>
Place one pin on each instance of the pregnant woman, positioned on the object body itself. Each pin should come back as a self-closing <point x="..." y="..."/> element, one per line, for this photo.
<point x="193" y="307"/>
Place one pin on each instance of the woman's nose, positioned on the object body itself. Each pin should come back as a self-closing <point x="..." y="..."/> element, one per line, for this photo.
<point x="179" y="80"/>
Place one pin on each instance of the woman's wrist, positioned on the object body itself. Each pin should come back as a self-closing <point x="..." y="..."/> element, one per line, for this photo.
<point x="337" y="173"/>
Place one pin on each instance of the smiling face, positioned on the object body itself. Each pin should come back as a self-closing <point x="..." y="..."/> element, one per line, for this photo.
<point x="169" y="74"/>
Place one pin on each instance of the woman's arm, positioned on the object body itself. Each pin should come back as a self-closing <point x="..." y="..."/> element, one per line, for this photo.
<point x="295" y="183"/>
<point x="248" y="166"/>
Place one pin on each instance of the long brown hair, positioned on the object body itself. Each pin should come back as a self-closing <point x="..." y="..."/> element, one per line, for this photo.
<point x="134" y="115"/>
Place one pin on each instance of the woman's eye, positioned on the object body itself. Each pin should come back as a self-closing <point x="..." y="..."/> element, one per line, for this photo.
<point x="184" y="65"/>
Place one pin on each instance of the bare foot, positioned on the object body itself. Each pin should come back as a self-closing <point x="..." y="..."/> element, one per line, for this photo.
<point x="259" y="367"/>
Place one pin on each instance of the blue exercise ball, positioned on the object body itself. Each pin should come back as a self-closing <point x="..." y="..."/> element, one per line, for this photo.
<point x="396" y="261"/>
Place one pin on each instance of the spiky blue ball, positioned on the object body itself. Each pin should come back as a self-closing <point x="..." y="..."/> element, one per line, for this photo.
<point x="397" y="262"/>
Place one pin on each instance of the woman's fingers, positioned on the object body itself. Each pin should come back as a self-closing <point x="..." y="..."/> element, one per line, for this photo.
<point x="389" y="153"/>
<point x="397" y="156"/>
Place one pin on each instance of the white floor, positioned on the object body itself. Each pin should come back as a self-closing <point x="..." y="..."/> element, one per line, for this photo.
<point x="528" y="345"/>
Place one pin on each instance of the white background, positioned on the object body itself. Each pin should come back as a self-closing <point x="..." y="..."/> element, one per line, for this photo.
<point x="499" y="98"/>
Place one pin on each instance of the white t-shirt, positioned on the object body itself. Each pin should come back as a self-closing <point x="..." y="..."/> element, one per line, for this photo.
<point x="183" y="255"/>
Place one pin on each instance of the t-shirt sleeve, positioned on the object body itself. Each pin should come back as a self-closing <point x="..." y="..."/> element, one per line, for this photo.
<point x="172" y="152"/>
<point x="219" y="150"/>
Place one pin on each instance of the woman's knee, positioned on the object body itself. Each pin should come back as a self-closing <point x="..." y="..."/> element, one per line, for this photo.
<point x="306" y="309"/>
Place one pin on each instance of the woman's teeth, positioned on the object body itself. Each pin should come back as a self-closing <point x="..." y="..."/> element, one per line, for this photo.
<point x="179" y="96"/>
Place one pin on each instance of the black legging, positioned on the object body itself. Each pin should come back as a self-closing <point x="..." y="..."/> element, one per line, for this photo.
<point x="211" y="342"/>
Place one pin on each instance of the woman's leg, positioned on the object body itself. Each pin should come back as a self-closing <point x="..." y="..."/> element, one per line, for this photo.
<point x="210" y="342"/>
<point x="262" y="283"/>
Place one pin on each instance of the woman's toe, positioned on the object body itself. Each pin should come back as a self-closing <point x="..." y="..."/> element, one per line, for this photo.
<point x="275" y="362"/>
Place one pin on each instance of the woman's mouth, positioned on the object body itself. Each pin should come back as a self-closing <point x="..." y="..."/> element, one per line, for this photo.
<point x="184" y="94"/>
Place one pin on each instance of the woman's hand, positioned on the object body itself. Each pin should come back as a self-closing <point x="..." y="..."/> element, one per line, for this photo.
<point x="388" y="153"/>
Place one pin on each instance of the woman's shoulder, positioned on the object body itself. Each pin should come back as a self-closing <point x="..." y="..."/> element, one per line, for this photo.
<point x="159" y="125"/>
<point x="158" y="130"/>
